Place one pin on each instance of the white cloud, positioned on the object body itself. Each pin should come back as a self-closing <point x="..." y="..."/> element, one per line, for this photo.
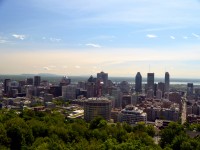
<point x="172" y="37"/>
<point x="52" y="67"/>
<point x="46" y="68"/>
<point x="93" y="45"/>
<point x="3" y="41"/>
<point x="196" y="35"/>
<point x="55" y="40"/>
<point x="151" y="36"/>
<point x="19" y="36"/>
<point x="185" y="37"/>
<point x="160" y="29"/>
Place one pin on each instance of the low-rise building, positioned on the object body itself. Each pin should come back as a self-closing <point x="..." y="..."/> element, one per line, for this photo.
<point x="132" y="115"/>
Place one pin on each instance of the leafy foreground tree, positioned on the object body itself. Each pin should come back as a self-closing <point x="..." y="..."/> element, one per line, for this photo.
<point x="31" y="130"/>
<point x="174" y="137"/>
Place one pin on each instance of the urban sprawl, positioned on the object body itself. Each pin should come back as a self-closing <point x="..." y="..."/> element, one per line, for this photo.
<point x="153" y="103"/>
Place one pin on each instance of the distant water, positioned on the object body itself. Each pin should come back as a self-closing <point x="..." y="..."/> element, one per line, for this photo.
<point x="194" y="83"/>
<point x="144" y="80"/>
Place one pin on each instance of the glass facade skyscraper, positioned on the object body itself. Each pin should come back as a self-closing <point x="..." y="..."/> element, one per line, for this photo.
<point x="138" y="82"/>
<point x="167" y="81"/>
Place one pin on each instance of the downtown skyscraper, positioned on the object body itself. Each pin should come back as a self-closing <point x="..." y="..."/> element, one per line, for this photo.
<point x="167" y="81"/>
<point x="138" y="82"/>
<point x="150" y="81"/>
<point x="104" y="77"/>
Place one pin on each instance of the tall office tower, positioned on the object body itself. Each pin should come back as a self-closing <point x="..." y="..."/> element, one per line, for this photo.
<point x="91" y="87"/>
<point x="167" y="81"/>
<point x="97" y="107"/>
<point x="138" y="82"/>
<point x="82" y="84"/>
<point x="155" y="88"/>
<point x="69" y="92"/>
<point x="124" y="87"/>
<point x="104" y="77"/>
<point x="6" y="85"/>
<point x="190" y="89"/>
<point x="117" y="94"/>
<point x="150" y="81"/>
<point x="29" y="91"/>
<point x="161" y="87"/>
<point x="37" y="80"/>
<point x="29" y="81"/>
<point x="159" y="94"/>
<point x="55" y="90"/>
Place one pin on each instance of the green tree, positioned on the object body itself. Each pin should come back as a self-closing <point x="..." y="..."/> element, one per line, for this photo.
<point x="96" y="122"/>
<point x="150" y="130"/>
<point x="170" y="132"/>
<point x="177" y="142"/>
<point x="27" y="114"/>
<point x="38" y="128"/>
<point x="185" y="145"/>
<point x="4" y="141"/>
<point x="19" y="133"/>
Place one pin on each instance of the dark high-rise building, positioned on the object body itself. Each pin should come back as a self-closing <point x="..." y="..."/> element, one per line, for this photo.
<point x="155" y="87"/>
<point x="103" y="77"/>
<point x="138" y="82"/>
<point x="150" y="81"/>
<point x="190" y="89"/>
<point x="6" y="85"/>
<point x="29" y="81"/>
<point x="56" y="91"/>
<point x="124" y="87"/>
<point x="92" y="79"/>
<point x="37" y="80"/>
<point x="167" y="81"/>
<point x="161" y="87"/>
<point x="91" y="89"/>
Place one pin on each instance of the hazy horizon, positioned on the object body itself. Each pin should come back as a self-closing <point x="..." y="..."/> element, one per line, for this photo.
<point x="157" y="78"/>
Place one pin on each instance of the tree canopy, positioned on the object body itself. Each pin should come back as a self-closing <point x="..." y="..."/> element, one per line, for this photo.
<point x="52" y="131"/>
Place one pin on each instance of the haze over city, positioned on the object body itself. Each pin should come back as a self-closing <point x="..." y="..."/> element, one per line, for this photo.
<point x="85" y="37"/>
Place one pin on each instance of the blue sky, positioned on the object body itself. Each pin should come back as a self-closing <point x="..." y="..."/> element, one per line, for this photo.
<point x="77" y="37"/>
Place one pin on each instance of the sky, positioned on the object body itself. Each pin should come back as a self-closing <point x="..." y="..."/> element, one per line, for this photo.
<point x="83" y="37"/>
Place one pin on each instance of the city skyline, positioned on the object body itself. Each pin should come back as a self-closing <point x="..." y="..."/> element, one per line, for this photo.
<point x="117" y="37"/>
